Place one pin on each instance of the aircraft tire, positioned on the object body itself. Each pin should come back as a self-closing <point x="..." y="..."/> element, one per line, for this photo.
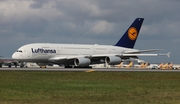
<point x="21" y="66"/>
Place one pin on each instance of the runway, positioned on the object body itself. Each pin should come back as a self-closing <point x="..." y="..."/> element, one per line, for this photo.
<point x="87" y="69"/>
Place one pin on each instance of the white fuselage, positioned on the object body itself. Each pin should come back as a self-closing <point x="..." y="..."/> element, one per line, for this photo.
<point x="42" y="52"/>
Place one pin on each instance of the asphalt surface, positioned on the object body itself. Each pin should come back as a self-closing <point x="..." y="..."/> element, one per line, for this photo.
<point x="87" y="69"/>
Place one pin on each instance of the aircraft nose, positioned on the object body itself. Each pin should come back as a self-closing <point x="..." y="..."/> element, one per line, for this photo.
<point x="15" y="56"/>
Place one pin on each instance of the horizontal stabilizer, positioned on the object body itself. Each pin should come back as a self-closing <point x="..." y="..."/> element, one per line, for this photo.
<point x="129" y="55"/>
<point x="142" y="51"/>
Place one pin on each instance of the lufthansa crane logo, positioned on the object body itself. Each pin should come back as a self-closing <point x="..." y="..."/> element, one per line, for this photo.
<point x="132" y="33"/>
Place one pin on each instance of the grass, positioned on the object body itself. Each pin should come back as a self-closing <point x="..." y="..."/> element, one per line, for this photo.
<point x="23" y="87"/>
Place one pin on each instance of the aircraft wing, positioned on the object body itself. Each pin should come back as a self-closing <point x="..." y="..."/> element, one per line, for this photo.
<point x="57" y="58"/>
<point x="101" y="56"/>
<point x="62" y="59"/>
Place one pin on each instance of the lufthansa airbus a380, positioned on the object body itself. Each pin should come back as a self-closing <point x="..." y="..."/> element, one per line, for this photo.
<point x="82" y="55"/>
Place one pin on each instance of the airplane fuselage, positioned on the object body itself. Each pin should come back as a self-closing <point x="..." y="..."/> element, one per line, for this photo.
<point x="42" y="52"/>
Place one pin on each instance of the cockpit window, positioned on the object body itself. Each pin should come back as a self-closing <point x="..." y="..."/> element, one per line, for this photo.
<point x="19" y="51"/>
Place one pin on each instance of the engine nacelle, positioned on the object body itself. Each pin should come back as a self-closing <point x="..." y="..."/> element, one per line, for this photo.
<point x="82" y="61"/>
<point x="112" y="60"/>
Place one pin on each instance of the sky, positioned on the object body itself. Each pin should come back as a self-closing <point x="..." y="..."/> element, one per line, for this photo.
<point x="90" y="22"/>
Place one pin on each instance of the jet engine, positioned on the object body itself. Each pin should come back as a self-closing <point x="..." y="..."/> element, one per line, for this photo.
<point x="112" y="60"/>
<point x="82" y="61"/>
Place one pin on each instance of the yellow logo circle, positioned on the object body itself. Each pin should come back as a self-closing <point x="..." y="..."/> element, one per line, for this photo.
<point x="132" y="33"/>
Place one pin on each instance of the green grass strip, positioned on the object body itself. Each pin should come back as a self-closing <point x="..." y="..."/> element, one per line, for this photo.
<point x="23" y="87"/>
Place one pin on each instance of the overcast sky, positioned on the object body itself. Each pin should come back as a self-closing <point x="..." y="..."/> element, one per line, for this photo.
<point x="90" y="22"/>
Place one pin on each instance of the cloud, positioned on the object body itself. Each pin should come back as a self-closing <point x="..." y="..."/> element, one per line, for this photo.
<point x="87" y="21"/>
<point x="102" y="27"/>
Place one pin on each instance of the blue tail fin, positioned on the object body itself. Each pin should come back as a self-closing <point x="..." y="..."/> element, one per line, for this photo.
<point x="129" y="38"/>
